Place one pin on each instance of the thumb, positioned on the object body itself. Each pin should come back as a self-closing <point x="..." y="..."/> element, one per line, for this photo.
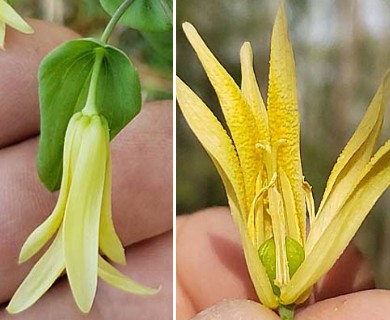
<point x="237" y="310"/>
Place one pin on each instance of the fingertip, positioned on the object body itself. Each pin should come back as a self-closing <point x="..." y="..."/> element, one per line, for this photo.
<point x="237" y="310"/>
<point x="369" y="304"/>
<point x="210" y="261"/>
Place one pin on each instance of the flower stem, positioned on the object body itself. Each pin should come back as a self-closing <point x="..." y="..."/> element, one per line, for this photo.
<point x="286" y="312"/>
<point x="115" y="19"/>
<point x="90" y="106"/>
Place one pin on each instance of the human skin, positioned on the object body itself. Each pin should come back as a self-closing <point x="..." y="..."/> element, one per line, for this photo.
<point x="213" y="282"/>
<point x="141" y="195"/>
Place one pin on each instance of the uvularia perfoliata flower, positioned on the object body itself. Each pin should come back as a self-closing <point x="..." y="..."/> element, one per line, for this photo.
<point x="9" y="16"/>
<point x="260" y="167"/>
<point x="81" y="224"/>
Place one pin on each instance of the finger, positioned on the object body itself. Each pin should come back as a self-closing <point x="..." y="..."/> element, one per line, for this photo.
<point x="210" y="262"/>
<point x="142" y="189"/>
<point x="211" y="265"/>
<point x="351" y="273"/>
<point x="236" y="310"/>
<point x="149" y="262"/>
<point x="370" y="304"/>
<point x="19" y="111"/>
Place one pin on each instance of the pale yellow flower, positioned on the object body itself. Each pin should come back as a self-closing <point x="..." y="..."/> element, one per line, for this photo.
<point x="81" y="223"/>
<point x="260" y="166"/>
<point x="10" y="17"/>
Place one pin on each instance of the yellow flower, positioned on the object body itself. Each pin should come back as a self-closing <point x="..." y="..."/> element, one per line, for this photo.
<point x="260" y="167"/>
<point x="9" y="16"/>
<point x="81" y="221"/>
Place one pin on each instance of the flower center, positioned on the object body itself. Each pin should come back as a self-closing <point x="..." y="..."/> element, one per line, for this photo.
<point x="272" y="223"/>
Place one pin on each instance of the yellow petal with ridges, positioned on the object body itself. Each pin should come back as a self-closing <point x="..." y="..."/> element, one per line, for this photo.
<point x="375" y="179"/>
<point x="283" y="113"/>
<point x="238" y="115"/>
<point x="347" y="170"/>
<point x="13" y="19"/>
<point x="116" y="279"/>
<point x="256" y="269"/>
<point x="41" y="277"/>
<point x="292" y="223"/>
<point x="109" y="241"/>
<point x="82" y="214"/>
<point x="215" y="140"/>
<point x="278" y="218"/>
<point x="46" y="230"/>
<point x="251" y="91"/>
<point x="309" y="201"/>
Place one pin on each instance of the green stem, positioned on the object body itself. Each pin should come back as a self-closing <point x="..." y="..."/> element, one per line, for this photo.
<point x="286" y="312"/>
<point x="90" y="106"/>
<point x="115" y="19"/>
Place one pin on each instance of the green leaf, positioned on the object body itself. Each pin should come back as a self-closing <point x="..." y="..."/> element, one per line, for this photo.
<point x="64" y="77"/>
<point x="162" y="42"/>
<point x="144" y="15"/>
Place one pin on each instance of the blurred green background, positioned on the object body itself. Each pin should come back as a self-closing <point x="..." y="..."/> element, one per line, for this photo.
<point x="341" y="48"/>
<point x="88" y="18"/>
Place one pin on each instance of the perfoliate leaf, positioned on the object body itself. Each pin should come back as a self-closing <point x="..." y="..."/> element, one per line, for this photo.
<point x="162" y="42"/>
<point x="64" y="78"/>
<point x="144" y="15"/>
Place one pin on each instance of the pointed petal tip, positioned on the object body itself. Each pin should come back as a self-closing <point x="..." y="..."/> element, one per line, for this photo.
<point x="281" y="18"/>
<point x="22" y="258"/>
<point x="15" y="307"/>
<point x="190" y="31"/>
<point x="11" y="309"/>
<point x="84" y="308"/>
<point x="187" y="26"/>
<point x="25" y="254"/>
<point x="281" y="10"/>
<point x="246" y="48"/>
<point x="246" y="56"/>
<point x="25" y="28"/>
<point x="29" y="30"/>
<point x="84" y="301"/>
<point x="154" y="291"/>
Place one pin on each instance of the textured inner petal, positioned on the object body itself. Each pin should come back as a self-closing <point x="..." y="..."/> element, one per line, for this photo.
<point x="283" y="113"/>
<point x="215" y="140"/>
<point x="251" y="91"/>
<point x="238" y="115"/>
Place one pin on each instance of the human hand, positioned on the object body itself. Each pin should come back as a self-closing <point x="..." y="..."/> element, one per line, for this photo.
<point x="211" y="272"/>
<point x="142" y="192"/>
